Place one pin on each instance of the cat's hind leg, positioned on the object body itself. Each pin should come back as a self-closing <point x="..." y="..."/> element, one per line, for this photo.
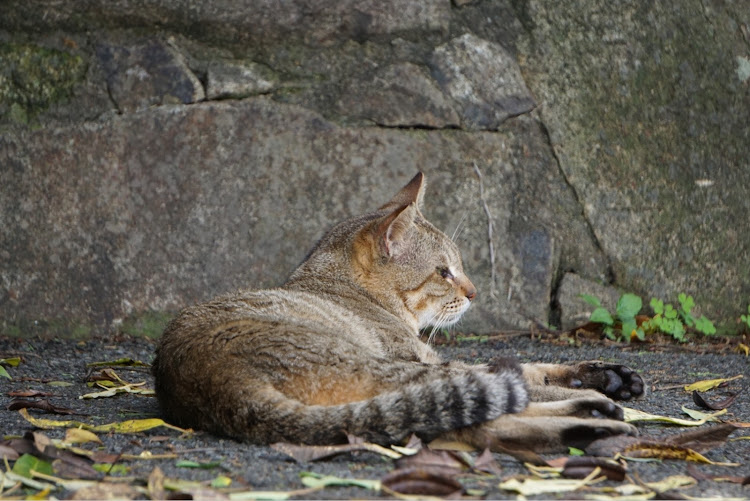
<point x="549" y="426"/>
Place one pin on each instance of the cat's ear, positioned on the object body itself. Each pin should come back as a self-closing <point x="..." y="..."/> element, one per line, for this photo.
<point x="412" y="193"/>
<point x="393" y="231"/>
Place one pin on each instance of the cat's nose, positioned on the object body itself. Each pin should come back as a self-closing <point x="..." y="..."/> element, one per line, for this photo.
<point x="471" y="293"/>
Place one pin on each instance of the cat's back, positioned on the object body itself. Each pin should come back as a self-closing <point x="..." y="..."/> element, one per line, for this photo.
<point x="250" y="320"/>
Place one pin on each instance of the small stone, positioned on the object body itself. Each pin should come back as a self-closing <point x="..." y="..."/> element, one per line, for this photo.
<point x="147" y="74"/>
<point x="238" y="79"/>
<point x="484" y="79"/>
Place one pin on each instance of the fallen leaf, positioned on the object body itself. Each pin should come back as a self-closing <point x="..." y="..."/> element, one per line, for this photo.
<point x="4" y="372"/>
<point x="111" y="469"/>
<point x="27" y="464"/>
<point x="121" y="362"/>
<point x="103" y="490"/>
<point x="80" y="436"/>
<point x="305" y="453"/>
<point x="708" y="384"/>
<point x="317" y="481"/>
<point x="130" y="426"/>
<point x="7" y="452"/>
<point x="670" y="483"/>
<point x="134" y="388"/>
<point x="699" y="475"/>
<point x="743" y="348"/>
<point x="156" y="484"/>
<point x="195" y="464"/>
<point x="703" y="416"/>
<point x="44" y="405"/>
<point x="701" y="401"/>
<point x="422" y="482"/>
<point x="29" y="393"/>
<point x="59" y="384"/>
<point x="535" y="487"/>
<point x="666" y="451"/>
<point x="486" y="463"/>
<point x="583" y="466"/>
<point x="633" y="415"/>
<point x="12" y="361"/>
<point x="702" y="439"/>
<point x="220" y="482"/>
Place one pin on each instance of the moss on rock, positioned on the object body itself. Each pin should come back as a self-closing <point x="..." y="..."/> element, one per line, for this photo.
<point x="33" y="77"/>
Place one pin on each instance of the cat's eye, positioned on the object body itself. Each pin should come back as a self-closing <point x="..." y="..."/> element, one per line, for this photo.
<point x="445" y="272"/>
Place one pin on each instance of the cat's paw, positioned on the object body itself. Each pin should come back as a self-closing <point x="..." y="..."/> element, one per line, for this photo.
<point x="616" y="381"/>
<point x="582" y="433"/>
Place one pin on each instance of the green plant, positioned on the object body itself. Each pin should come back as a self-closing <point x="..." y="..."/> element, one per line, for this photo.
<point x="666" y="318"/>
<point x="623" y="325"/>
<point x="701" y="324"/>
<point x="746" y="318"/>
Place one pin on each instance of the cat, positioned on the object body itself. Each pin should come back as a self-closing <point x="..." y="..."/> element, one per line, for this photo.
<point x="336" y="350"/>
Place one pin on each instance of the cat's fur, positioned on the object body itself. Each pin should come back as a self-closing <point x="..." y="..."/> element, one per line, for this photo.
<point x="337" y="350"/>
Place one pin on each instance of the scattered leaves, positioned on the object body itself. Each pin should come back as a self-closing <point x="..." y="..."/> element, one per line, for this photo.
<point x="27" y="464"/>
<point x="318" y="481"/>
<point x="709" y="384"/>
<point x="130" y="426"/>
<point x="583" y="466"/>
<point x="43" y="405"/>
<point x="120" y="362"/>
<point x="667" y="451"/>
<point x="80" y="436"/>
<point x="535" y="487"/>
<point x="701" y="401"/>
<point x="633" y="415"/>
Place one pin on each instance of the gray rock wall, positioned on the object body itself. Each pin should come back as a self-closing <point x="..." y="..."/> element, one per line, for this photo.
<point x="154" y="154"/>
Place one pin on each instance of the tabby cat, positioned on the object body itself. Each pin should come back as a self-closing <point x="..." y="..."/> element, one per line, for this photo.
<point x="336" y="350"/>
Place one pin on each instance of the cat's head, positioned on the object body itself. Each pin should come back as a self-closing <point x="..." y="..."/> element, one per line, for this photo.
<point x="403" y="260"/>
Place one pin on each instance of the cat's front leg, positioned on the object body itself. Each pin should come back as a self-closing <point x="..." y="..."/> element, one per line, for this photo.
<point x="554" y="381"/>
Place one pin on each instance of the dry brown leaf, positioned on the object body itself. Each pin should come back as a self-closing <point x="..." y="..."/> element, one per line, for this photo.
<point x="44" y="405"/>
<point x="29" y="393"/>
<point x="422" y="482"/>
<point x="156" y="484"/>
<point x="486" y="463"/>
<point x="107" y="491"/>
<point x="583" y="466"/>
<point x="699" y="475"/>
<point x="702" y="439"/>
<point x="701" y="401"/>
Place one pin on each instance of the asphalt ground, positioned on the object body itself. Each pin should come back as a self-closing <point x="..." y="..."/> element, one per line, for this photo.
<point x="44" y="363"/>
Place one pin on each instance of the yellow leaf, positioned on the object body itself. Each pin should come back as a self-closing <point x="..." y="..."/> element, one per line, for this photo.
<point x="708" y="384"/>
<point x="743" y="348"/>
<point x="668" y="452"/>
<point x="633" y="415"/>
<point x="534" y="487"/>
<point x="130" y="426"/>
<point x="672" y="482"/>
<point x="703" y="416"/>
<point x="80" y="436"/>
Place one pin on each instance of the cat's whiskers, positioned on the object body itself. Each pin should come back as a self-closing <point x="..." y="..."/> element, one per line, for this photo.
<point x="458" y="229"/>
